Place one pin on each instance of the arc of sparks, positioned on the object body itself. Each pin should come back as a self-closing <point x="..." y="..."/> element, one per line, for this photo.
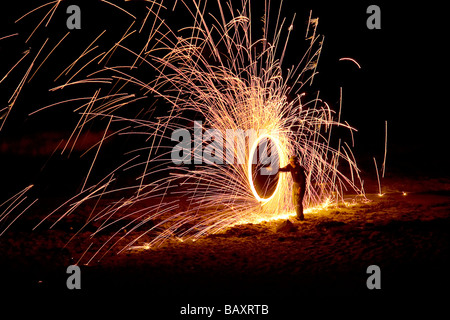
<point x="217" y="70"/>
<point x="250" y="162"/>
<point x="352" y="60"/>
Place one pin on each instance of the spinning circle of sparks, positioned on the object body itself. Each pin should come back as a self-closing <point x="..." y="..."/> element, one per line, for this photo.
<point x="213" y="71"/>
<point x="250" y="174"/>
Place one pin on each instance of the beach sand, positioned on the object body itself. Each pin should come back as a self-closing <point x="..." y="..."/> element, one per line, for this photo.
<point x="404" y="233"/>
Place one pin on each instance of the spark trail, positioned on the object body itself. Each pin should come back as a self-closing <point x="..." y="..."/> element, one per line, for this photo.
<point x="216" y="70"/>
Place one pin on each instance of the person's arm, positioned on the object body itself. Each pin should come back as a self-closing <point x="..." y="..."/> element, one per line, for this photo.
<point x="285" y="169"/>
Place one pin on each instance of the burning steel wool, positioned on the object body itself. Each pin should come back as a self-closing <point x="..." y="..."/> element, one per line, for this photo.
<point x="225" y="110"/>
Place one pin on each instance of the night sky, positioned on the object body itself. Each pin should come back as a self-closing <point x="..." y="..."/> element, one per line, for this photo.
<point x="398" y="82"/>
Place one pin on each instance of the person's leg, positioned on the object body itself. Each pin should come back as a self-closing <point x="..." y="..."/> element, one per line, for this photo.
<point x="299" y="206"/>
<point x="299" y="211"/>
<point x="294" y="194"/>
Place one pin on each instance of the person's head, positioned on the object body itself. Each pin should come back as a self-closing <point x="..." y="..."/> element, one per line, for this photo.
<point x="293" y="160"/>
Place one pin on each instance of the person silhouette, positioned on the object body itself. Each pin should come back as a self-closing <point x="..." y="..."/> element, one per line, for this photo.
<point x="299" y="185"/>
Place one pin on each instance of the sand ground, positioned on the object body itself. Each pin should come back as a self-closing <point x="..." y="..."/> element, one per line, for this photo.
<point x="404" y="232"/>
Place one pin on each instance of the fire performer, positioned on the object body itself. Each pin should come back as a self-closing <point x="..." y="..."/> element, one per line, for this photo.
<point x="299" y="186"/>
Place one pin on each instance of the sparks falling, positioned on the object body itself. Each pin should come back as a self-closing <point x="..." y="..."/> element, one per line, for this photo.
<point x="216" y="70"/>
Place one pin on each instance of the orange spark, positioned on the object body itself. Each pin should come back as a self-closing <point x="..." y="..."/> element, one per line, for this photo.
<point x="352" y="60"/>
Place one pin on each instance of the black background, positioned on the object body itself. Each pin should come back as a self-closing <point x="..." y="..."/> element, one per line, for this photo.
<point x="401" y="79"/>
